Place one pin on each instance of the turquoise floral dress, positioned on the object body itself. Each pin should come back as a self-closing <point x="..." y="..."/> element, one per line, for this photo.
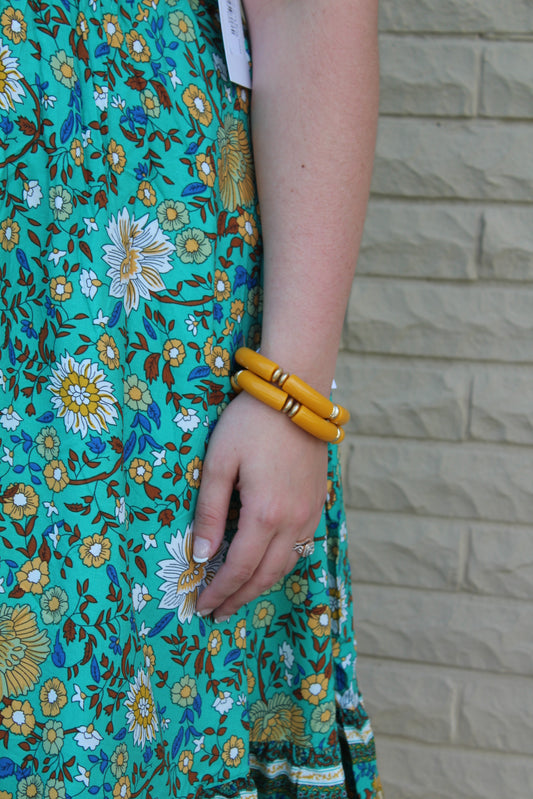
<point x="130" y="272"/>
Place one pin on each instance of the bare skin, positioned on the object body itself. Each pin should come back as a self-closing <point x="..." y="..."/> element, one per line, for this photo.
<point x="314" y="111"/>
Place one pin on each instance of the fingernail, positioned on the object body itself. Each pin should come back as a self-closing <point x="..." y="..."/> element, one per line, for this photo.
<point x="221" y="619"/>
<point x="202" y="613"/>
<point x="201" y="548"/>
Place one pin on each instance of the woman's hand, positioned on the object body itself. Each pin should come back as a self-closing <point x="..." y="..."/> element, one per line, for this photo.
<point x="280" y="472"/>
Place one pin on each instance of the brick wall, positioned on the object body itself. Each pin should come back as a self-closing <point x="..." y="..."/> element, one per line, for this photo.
<point x="437" y="370"/>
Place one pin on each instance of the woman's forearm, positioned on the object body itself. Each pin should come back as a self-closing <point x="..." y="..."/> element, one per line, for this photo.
<point x="314" y="110"/>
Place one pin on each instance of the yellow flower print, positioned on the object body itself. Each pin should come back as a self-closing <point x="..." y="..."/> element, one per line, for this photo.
<point x="172" y="215"/>
<point x="218" y="360"/>
<point x="6" y="795"/>
<point x="146" y="193"/>
<point x="314" y="688"/>
<point x="13" y="25"/>
<point x="222" y="285"/>
<point x="76" y="152"/>
<point x="214" y="642"/>
<point x="122" y="789"/>
<point x="174" y="351"/>
<point x="116" y="157"/>
<point x="296" y="589"/>
<point x="53" y="697"/>
<point x="250" y="679"/>
<point x="331" y="495"/>
<point x="112" y="30"/>
<point x="237" y="310"/>
<point x="193" y="473"/>
<point x="137" y="47"/>
<point x="82" y="28"/>
<point x="119" y="761"/>
<point x="240" y="634"/>
<point x="243" y="96"/>
<point x="149" y="659"/>
<point x="198" y="104"/>
<point x="141" y="715"/>
<point x="319" y="621"/>
<point x="323" y="717"/>
<point x="95" y="550"/>
<point x="279" y="719"/>
<point x="23" y="647"/>
<point x="9" y="230"/>
<point x="264" y="613"/>
<point x="205" y="169"/>
<point x="140" y="470"/>
<point x="233" y="751"/>
<point x="235" y="166"/>
<point x="60" y="288"/>
<point x="55" y="474"/>
<point x="20" y="500"/>
<point x="137" y="395"/>
<point x="19" y="717"/>
<point x="186" y="760"/>
<point x="193" y="246"/>
<point x="108" y="351"/>
<point x="248" y="228"/>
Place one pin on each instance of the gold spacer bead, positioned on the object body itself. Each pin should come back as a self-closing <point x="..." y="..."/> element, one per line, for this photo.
<point x="282" y="378"/>
<point x="276" y="375"/>
<point x="334" y="413"/>
<point x="288" y="405"/>
<point x="295" y="408"/>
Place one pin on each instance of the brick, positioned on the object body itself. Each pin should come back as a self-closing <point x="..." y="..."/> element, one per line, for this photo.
<point x="495" y="713"/>
<point x="500" y="561"/>
<point x="405" y="550"/>
<point x="479" y="160"/>
<point x="507" y="244"/>
<point x="456" y="16"/>
<point x="500" y="414"/>
<point x="417" y="318"/>
<point x="412" y="702"/>
<point x="409" y="239"/>
<point x="477" y="482"/>
<point x="472" y="632"/>
<point x="386" y="399"/>
<point x="428" y="77"/>
<point x="412" y="771"/>
<point x="507" y="82"/>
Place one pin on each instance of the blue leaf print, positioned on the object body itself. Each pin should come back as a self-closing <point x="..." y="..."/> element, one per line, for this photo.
<point x="121" y="734"/>
<point x="218" y="313"/>
<point x="154" y="412"/>
<point x="233" y="654"/>
<point x="96" y="445"/>
<point x="112" y="574"/>
<point x="197" y="704"/>
<point x="18" y="469"/>
<point x="129" y="445"/>
<point x="198" y="372"/>
<point x="102" y="49"/>
<point x="95" y="669"/>
<point x="115" y="316"/>
<point x="192" y="148"/>
<point x="67" y="127"/>
<point x="149" y="329"/>
<point x="7" y="767"/>
<point x="177" y="742"/>
<point x="94" y="789"/>
<point x="21" y="258"/>
<point x="46" y="418"/>
<point x="193" y="188"/>
<point x="144" y="423"/>
<point x="161" y="624"/>
<point x="241" y="276"/>
<point x="58" y="655"/>
<point x="28" y="442"/>
<point x="11" y="352"/>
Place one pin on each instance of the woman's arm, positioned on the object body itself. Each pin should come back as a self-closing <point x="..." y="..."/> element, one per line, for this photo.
<point x="314" y="110"/>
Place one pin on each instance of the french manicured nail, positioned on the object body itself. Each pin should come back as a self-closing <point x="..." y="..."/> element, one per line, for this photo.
<point x="222" y="619"/>
<point x="202" y="613"/>
<point x="200" y="550"/>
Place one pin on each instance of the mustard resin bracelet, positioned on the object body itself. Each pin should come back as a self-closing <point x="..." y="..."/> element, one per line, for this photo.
<point x="279" y="400"/>
<point x="292" y="385"/>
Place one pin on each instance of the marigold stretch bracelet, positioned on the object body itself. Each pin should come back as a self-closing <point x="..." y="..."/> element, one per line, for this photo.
<point x="302" y="392"/>
<point x="277" y="398"/>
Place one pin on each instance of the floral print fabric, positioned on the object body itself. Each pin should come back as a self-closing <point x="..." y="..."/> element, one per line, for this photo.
<point x="130" y="258"/>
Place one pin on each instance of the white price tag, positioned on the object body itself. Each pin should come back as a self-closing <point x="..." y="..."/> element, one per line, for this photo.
<point x="237" y="58"/>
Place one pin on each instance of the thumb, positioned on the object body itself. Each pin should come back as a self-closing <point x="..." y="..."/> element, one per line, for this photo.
<point x="212" y="508"/>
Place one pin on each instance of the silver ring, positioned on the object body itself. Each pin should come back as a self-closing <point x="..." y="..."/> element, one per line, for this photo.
<point x="304" y="548"/>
